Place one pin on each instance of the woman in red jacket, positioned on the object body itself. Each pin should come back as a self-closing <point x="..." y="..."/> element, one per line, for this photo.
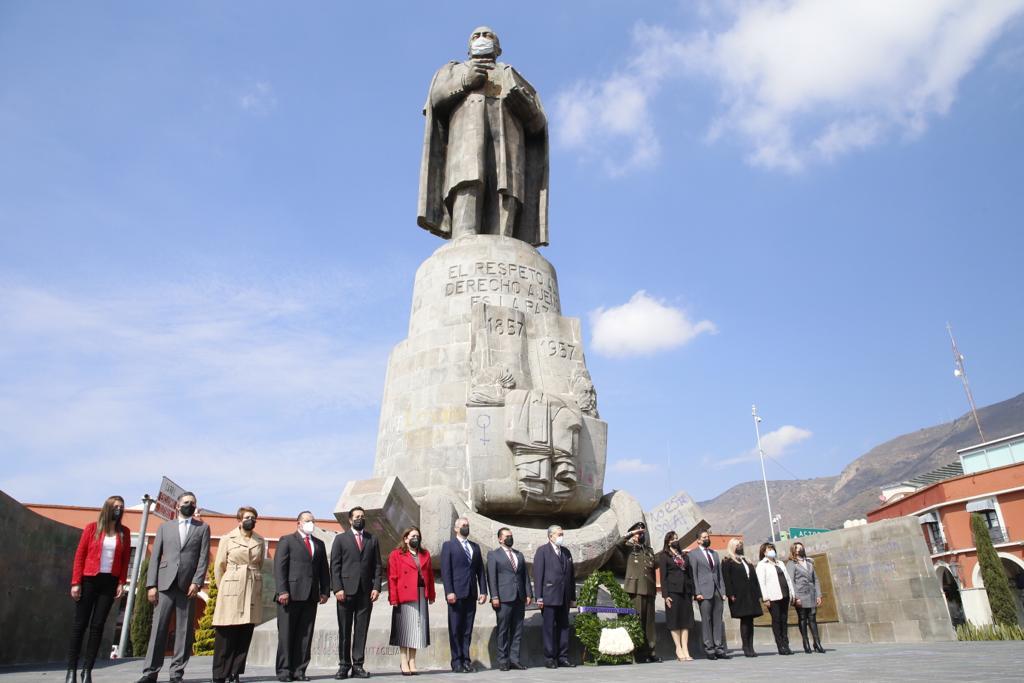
<point x="97" y="580"/>
<point x="410" y="589"/>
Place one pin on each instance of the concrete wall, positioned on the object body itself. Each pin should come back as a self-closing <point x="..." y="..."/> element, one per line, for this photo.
<point x="36" y="610"/>
<point x="885" y="584"/>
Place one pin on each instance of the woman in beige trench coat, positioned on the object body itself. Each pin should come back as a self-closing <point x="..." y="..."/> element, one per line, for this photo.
<point x="238" y="570"/>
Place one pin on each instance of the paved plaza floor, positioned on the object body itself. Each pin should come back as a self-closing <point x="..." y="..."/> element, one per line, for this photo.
<point x="986" y="661"/>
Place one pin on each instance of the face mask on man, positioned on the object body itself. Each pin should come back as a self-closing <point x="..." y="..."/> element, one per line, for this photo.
<point x="307" y="527"/>
<point x="706" y="542"/>
<point x="739" y="550"/>
<point x="358" y="524"/>
<point x="770" y="554"/>
<point x="481" y="47"/>
<point x="508" y="541"/>
<point x="249" y="524"/>
<point x="464" y="531"/>
<point x="560" y="540"/>
<point x="187" y="510"/>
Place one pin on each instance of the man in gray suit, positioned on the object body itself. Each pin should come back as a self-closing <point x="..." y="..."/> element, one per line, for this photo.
<point x="511" y="592"/>
<point x="177" y="570"/>
<point x="709" y="587"/>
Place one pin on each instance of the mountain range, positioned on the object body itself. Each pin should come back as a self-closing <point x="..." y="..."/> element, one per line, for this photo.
<point x="826" y="502"/>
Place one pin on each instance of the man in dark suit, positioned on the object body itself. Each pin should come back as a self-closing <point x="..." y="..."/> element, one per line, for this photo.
<point x="177" y="570"/>
<point x="355" y="578"/>
<point x="511" y="592"/>
<point x="554" y="582"/>
<point x="465" y="585"/>
<point x="302" y="581"/>
<point x="709" y="587"/>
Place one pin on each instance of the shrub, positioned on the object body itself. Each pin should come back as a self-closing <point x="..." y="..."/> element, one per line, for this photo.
<point x="970" y="631"/>
<point x="142" y="615"/>
<point x="203" y="643"/>
<point x="997" y="586"/>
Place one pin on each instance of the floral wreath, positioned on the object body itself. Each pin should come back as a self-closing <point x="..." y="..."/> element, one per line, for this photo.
<point x="624" y="633"/>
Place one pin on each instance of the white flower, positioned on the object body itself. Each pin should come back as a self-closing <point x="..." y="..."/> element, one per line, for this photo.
<point x="615" y="641"/>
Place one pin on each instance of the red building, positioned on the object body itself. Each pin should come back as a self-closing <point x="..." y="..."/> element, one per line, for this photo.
<point x="988" y="479"/>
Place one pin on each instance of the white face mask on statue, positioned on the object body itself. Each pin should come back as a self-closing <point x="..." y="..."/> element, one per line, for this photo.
<point x="307" y="527"/>
<point x="481" y="47"/>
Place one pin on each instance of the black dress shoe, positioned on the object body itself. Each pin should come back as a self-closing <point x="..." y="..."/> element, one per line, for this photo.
<point x="220" y="680"/>
<point x="503" y="667"/>
<point x="283" y="678"/>
<point x="723" y="655"/>
<point x="566" y="663"/>
<point x="341" y="675"/>
<point x="303" y="677"/>
<point x="654" y="659"/>
<point x="467" y="668"/>
<point x="360" y="672"/>
<point x="550" y="664"/>
<point x="517" y="666"/>
<point x="710" y="655"/>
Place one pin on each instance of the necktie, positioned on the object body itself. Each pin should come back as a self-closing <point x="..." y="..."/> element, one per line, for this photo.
<point x="512" y="558"/>
<point x="469" y="551"/>
<point x="359" y="541"/>
<point x="309" y="546"/>
<point x="711" y="563"/>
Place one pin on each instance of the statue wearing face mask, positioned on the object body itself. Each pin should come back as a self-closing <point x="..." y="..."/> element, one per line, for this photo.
<point x="485" y="150"/>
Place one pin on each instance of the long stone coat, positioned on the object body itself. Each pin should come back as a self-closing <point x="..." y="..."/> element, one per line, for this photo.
<point x="238" y="570"/>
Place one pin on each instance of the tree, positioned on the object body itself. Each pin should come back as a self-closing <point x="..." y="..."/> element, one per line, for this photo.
<point x="203" y="643"/>
<point x="142" y="615"/>
<point x="996" y="584"/>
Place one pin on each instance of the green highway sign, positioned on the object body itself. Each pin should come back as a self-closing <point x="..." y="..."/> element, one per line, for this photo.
<point x="797" y="532"/>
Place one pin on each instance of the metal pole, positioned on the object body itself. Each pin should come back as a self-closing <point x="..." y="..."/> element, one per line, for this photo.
<point x="960" y="370"/>
<point x="140" y="554"/>
<point x="764" y="476"/>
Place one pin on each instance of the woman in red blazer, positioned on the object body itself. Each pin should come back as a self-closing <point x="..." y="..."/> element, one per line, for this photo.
<point x="98" y="578"/>
<point x="410" y="590"/>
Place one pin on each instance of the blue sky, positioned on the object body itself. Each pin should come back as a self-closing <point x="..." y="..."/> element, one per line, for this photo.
<point x="208" y="238"/>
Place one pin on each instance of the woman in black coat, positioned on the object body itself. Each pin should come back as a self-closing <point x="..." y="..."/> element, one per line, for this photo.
<point x="677" y="590"/>
<point x="743" y="591"/>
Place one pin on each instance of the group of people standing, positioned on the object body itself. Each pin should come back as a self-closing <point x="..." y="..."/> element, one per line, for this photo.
<point x="700" y="575"/>
<point x="307" y="575"/>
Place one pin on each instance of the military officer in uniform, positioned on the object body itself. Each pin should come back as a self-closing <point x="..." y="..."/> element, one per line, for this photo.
<point x="641" y="586"/>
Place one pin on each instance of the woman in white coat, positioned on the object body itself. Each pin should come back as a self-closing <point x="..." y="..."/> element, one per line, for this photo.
<point x="238" y="571"/>
<point x="776" y="591"/>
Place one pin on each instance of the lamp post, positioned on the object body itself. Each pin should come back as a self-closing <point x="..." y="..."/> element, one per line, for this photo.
<point x="764" y="476"/>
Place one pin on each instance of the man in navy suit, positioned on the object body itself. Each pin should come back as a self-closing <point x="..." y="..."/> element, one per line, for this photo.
<point x="465" y="585"/>
<point x="554" y="584"/>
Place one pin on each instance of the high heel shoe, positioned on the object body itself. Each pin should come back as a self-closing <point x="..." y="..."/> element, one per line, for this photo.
<point x="72" y="675"/>
<point x="818" y="648"/>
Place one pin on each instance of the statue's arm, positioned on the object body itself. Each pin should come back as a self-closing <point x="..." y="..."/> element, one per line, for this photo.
<point x="448" y="86"/>
<point x="526" y="104"/>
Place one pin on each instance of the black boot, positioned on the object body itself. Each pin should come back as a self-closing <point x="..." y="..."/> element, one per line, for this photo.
<point x="814" y="632"/>
<point x="72" y="675"/>
<point x="87" y="675"/>
<point x="802" y="625"/>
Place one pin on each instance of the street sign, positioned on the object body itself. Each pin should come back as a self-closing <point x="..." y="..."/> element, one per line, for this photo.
<point x="797" y="532"/>
<point x="167" y="500"/>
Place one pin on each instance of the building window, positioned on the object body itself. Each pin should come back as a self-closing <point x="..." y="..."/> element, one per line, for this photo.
<point x="995" y="532"/>
<point x="934" y="536"/>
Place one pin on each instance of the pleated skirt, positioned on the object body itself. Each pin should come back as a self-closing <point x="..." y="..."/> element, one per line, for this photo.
<point x="410" y="623"/>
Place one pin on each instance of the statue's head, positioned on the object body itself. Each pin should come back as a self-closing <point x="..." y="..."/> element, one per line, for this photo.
<point x="483" y="42"/>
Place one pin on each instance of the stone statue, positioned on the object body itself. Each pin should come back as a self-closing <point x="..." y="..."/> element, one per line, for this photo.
<point x="542" y="430"/>
<point x="485" y="150"/>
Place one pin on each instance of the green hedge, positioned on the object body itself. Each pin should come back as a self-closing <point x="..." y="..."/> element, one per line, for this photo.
<point x="203" y="643"/>
<point x="969" y="631"/>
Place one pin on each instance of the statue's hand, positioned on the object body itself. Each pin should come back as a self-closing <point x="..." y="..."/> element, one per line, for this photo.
<point x="476" y="76"/>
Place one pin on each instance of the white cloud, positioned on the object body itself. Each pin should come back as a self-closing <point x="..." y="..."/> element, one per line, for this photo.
<point x="800" y="81"/>
<point x="633" y="466"/>
<point x="221" y="386"/>
<point x="642" y="326"/>
<point x="775" y="444"/>
<point x="258" y="98"/>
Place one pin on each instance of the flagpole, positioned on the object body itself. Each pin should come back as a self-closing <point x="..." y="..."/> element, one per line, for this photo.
<point x="764" y="476"/>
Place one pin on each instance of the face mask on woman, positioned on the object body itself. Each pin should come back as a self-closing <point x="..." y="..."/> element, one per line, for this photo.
<point x="770" y="554"/>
